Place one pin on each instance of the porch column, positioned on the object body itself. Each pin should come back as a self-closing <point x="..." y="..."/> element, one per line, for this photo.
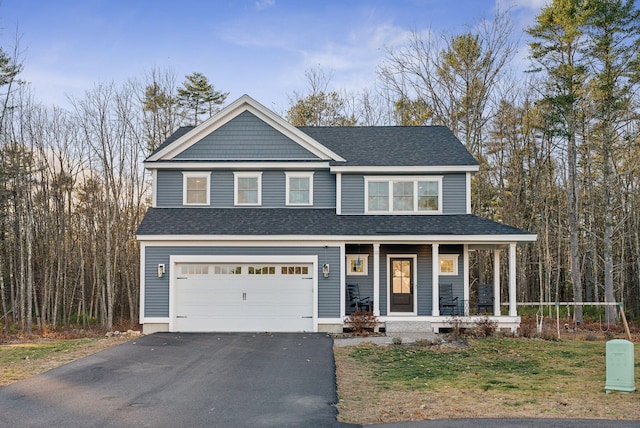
<point x="435" y="287"/>
<point x="496" y="282"/>
<point x="465" y="278"/>
<point x="376" y="279"/>
<point x="512" y="281"/>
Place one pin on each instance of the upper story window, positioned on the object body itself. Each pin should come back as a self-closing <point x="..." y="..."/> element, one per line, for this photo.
<point x="299" y="188"/>
<point x="403" y="194"/>
<point x="248" y="188"/>
<point x="196" y="188"/>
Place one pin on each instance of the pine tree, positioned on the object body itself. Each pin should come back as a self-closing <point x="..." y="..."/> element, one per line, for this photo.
<point x="198" y="97"/>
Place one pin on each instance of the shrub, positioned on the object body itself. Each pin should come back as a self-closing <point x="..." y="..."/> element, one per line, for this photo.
<point x="361" y="323"/>
<point x="427" y="342"/>
<point x="486" y="327"/>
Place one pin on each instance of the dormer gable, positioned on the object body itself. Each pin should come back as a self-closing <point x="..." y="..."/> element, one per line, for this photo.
<point x="245" y="130"/>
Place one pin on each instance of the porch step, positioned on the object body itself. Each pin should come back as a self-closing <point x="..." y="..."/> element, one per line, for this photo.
<point x="417" y="327"/>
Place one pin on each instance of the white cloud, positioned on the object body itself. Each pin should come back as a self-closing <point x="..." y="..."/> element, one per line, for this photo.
<point x="264" y="4"/>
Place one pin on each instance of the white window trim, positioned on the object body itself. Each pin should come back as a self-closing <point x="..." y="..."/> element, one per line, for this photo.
<point x="452" y="257"/>
<point x="364" y="260"/>
<point x="300" y="174"/>
<point x="403" y="178"/>
<point x="236" y="176"/>
<point x="415" y="283"/>
<point x="196" y="174"/>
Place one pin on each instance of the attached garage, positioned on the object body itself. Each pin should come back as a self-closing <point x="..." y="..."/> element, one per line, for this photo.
<point x="243" y="297"/>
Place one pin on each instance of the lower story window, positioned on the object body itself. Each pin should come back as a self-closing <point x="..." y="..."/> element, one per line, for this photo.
<point x="448" y="264"/>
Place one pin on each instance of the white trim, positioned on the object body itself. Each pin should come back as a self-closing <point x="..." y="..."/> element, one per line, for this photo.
<point x="298" y="174"/>
<point x="196" y="174"/>
<point x="154" y="320"/>
<point x="343" y="282"/>
<point x="176" y="259"/>
<point x="143" y="258"/>
<point x="364" y="260"/>
<point x="405" y="169"/>
<point x="513" y="310"/>
<point x="496" y="282"/>
<point x="389" y="239"/>
<point x="435" y="280"/>
<point x="414" y="179"/>
<point x="376" y="279"/>
<point x="468" y="192"/>
<point x="242" y="104"/>
<point x="154" y="188"/>
<point x="447" y="257"/>
<point x="465" y="276"/>
<point x="415" y="284"/>
<point x="339" y="193"/>
<point x="238" y="164"/>
<point x="247" y="174"/>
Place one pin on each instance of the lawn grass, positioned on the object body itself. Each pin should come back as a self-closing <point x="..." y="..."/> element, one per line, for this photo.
<point x="503" y="364"/>
<point x="35" y="350"/>
<point x="493" y="377"/>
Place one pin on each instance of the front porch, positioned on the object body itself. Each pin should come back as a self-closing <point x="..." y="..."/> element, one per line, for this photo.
<point x="429" y="284"/>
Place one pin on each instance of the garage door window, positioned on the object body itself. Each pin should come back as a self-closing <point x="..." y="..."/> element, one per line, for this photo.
<point x="227" y="270"/>
<point x="262" y="270"/>
<point x="294" y="270"/>
<point x="195" y="270"/>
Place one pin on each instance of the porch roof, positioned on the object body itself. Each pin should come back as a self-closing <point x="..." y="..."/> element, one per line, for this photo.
<point x="219" y="222"/>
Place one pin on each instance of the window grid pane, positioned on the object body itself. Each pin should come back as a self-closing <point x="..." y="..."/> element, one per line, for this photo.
<point x="247" y="190"/>
<point x="378" y="199"/>
<point x="196" y="190"/>
<point x="299" y="190"/>
<point x="402" y="196"/>
<point x="427" y="195"/>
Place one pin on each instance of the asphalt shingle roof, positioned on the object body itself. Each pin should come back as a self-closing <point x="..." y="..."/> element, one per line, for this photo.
<point x="314" y="222"/>
<point x="393" y="145"/>
<point x="383" y="145"/>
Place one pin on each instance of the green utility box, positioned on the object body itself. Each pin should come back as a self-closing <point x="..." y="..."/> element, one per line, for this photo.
<point x="620" y="366"/>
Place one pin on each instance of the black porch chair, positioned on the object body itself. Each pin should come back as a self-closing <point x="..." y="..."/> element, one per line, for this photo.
<point x="355" y="301"/>
<point x="485" y="299"/>
<point x="448" y="303"/>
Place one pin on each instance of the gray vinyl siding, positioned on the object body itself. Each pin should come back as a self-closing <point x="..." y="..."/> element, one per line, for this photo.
<point x="246" y="137"/>
<point x="453" y="194"/>
<point x="222" y="189"/>
<point x="170" y="187"/>
<point x="365" y="282"/>
<point x="324" y="189"/>
<point x="156" y="302"/>
<point x="273" y="189"/>
<point x="352" y="194"/>
<point x="457" y="281"/>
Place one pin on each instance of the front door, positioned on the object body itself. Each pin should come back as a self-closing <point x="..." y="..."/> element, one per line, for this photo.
<point x="401" y="286"/>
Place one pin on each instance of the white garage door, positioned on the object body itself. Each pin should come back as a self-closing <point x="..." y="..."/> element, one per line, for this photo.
<point x="243" y="297"/>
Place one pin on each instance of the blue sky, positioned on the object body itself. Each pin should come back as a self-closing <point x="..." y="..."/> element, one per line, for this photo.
<point x="258" y="47"/>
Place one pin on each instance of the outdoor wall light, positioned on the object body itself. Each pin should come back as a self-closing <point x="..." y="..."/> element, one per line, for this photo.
<point x="160" y="270"/>
<point x="325" y="270"/>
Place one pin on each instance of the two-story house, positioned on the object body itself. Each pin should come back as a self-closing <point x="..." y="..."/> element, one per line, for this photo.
<point x="257" y="225"/>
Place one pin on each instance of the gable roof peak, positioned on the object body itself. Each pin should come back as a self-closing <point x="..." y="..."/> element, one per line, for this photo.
<point x="244" y="103"/>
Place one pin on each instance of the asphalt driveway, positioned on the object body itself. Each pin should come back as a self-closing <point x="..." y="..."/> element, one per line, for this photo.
<point x="185" y="380"/>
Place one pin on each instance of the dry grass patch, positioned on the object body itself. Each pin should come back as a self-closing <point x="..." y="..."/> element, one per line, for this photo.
<point x="25" y="359"/>
<point x="487" y="378"/>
